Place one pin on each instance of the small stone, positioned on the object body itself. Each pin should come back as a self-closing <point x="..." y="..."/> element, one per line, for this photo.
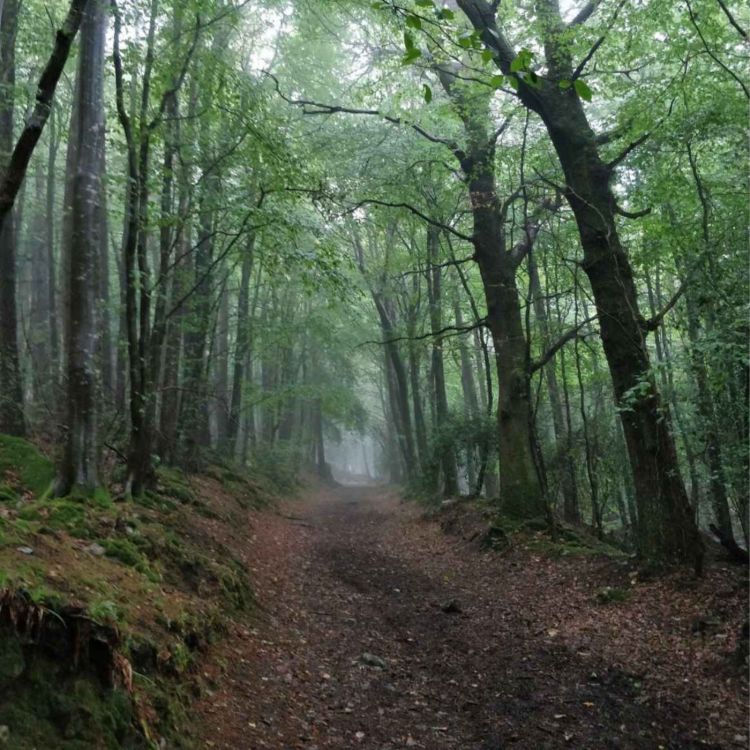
<point x="371" y="660"/>
<point x="452" y="607"/>
<point x="25" y="550"/>
<point x="96" y="549"/>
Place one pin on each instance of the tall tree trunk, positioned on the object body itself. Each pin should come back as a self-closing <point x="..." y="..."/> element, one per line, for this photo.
<point x="39" y="312"/>
<point x="666" y="526"/>
<point x="54" y="335"/>
<point x="563" y="438"/>
<point x="241" y="343"/>
<point x="469" y="390"/>
<point x="667" y="383"/>
<point x="11" y="387"/>
<point x="79" y="469"/>
<point x="446" y="451"/>
<point x="521" y="490"/>
<point x="221" y="370"/>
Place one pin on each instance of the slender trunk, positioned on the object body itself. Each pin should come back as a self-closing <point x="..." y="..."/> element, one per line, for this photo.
<point x="446" y="451"/>
<point x="79" y="469"/>
<point x="242" y="341"/>
<point x="54" y="337"/>
<point x="11" y="388"/>
<point x="563" y="437"/>
<point x="221" y="370"/>
<point x="667" y="384"/>
<point x="469" y="390"/>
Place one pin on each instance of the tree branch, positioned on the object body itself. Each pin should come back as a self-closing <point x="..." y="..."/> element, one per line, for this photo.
<point x="416" y="212"/>
<point x="585" y="13"/>
<point x="573" y="333"/>
<point x="456" y="330"/>
<point x="653" y="323"/>
<point x="331" y="109"/>
<point x="628" y="150"/>
<point x="633" y="214"/>
<point x="710" y="52"/>
<point x="732" y="19"/>
<point x="19" y="160"/>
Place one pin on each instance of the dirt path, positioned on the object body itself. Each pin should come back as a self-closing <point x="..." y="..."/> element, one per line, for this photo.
<point x="379" y="632"/>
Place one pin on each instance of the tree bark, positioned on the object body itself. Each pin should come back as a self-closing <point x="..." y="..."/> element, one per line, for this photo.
<point x="563" y="437"/>
<point x="79" y="468"/>
<point x="11" y="388"/>
<point x="446" y="451"/>
<point x="666" y="528"/>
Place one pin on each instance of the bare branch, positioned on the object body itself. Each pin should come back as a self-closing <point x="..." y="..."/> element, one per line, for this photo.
<point x="573" y="333"/>
<point x="585" y="13"/>
<point x="331" y="109"/>
<point x="711" y="53"/>
<point x="628" y="150"/>
<point x="19" y="160"/>
<point x="455" y="330"/>
<point x="732" y="19"/>
<point x="653" y="323"/>
<point x="416" y="212"/>
<point x="633" y="214"/>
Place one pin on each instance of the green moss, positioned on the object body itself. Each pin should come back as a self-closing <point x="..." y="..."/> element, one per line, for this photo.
<point x="173" y="483"/>
<point x="11" y="661"/>
<point x="128" y="553"/>
<point x="48" y="706"/>
<point x="61" y="515"/>
<point x="23" y="468"/>
<point x="104" y="610"/>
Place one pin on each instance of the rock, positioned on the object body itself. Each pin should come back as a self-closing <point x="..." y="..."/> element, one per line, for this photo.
<point x="453" y="607"/>
<point x="25" y="550"/>
<point x="96" y="549"/>
<point x="371" y="660"/>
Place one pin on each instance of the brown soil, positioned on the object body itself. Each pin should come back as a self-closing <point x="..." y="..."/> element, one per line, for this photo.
<point x="479" y="651"/>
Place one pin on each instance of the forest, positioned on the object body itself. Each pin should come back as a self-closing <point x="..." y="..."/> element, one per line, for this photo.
<point x="307" y="305"/>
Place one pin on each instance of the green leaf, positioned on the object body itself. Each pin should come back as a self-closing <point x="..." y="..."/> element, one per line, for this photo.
<point x="487" y="55"/>
<point x="497" y="81"/>
<point x="413" y="22"/>
<point x="427" y="93"/>
<point x="411" y="55"/>
<point x="565" y="84"/>
<point x="582" y="89"/>
<point x="446" y="14"/>
<point x="408" y="40"/>
<point x="522" y="61"/>
<point x="424" y="3"/>
<point x="514" y="82"/>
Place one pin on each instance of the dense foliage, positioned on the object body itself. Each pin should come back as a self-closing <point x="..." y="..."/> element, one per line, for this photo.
<point x="496" y="249"/>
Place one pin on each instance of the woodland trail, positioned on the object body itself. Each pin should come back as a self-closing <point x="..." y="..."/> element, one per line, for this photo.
<point x="376" y="631"/>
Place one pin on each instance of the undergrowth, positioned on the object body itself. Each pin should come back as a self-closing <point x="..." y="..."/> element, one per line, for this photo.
<point x="106" y="606"/>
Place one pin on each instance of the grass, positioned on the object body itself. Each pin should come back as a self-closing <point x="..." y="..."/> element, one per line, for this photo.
<point x="143" y="570"/>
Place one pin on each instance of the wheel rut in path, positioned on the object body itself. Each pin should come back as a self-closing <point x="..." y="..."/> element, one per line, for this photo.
<point x="377" y="632"/>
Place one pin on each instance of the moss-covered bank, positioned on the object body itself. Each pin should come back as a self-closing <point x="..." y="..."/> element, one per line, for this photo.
<point x="106" y="607"/>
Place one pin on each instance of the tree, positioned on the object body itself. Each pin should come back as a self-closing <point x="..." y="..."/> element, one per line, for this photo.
<point x="79" y="469"/>
<point x="666" y="528"/>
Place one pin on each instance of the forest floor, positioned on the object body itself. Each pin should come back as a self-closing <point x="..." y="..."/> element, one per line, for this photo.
<point x="376" y="630"/>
